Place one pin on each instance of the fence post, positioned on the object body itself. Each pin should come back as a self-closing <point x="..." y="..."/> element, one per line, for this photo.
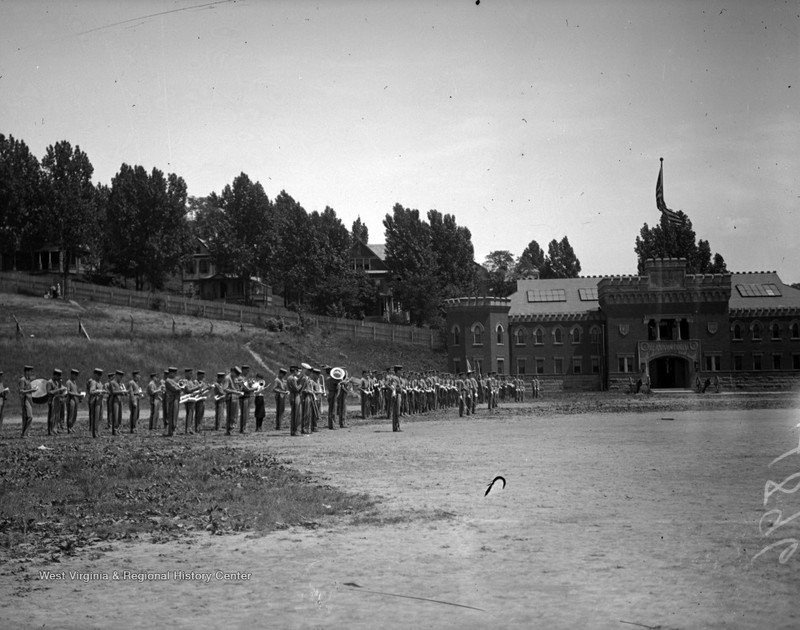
<point x="131" y="324"/>
<point x="373" y="332"/>
<point x="431" y="346"/>
<point x="19" y="328"/>
<point x="412" y="336"/>
<point x="211" y="331"/>
<point x="173" y="325"/>
<point x="241" y="323"/>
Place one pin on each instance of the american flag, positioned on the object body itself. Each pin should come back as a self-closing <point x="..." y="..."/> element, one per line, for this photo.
<point x="672" y="217"/>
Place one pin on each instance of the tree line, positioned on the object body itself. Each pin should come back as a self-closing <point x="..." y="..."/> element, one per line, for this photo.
<point x="143" y="227"/>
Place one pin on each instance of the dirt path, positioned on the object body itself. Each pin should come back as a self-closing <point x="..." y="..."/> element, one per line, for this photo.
<point x="605" y="519"/>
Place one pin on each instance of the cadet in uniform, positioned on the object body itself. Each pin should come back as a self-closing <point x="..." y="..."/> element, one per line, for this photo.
<point x="396" y="385"/>
<point x="247" y="391"/>
<point x="188" y="389"/>
<point x="219" y="400"/>
<point x="200" y="404"/>
<point x="134" y="394"/>
<point x="307" y="396"/>
<point x="172" y="392"/>
<point x="156" y="398"/>
<point x="26" y="398"/>
<point x="260" y="411"/>
<point x="232" y="393"/>
<point x="280" y="390"/>
<point x="55" y="403"/>
<point x="117" y="391"/>
<point x="95" y="392"/>
<point x="73" y="398"/>
<point x="293" y="384"/>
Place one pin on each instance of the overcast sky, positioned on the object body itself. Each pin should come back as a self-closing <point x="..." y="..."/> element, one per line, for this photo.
<point x="526" y="120"/>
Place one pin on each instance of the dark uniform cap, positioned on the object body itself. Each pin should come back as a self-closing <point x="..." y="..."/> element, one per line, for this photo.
<point x="134" y="373"/>
<point x="187" y="370"/>
<point x="28" y="367"/>
<point x="166" y="372"/>
<point x="220" y="374"/>
<point x="316" y="371"/>
<point x="398" y="367"/>
<point x="98" y="370"/>
<point x="245" y="367"/>
<point x="293" y="367"/>
<point x="57" y="372"/>
<point x="199" y="372"/>
<point x="172" y="368"/>
<point x="72" y="371"/>
<point x="283" y="370"/>
<point x="153" y="374"/>
<point x="237" y="369"/>
<point x="120" y="372"/>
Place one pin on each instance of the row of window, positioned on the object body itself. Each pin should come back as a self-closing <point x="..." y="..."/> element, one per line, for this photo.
<point x="557" y="365"/>
<point x="756" y="331"/>
<point x="521" y="336"/>
<point x="576" y="333"/>
<point x="713" y="362"/>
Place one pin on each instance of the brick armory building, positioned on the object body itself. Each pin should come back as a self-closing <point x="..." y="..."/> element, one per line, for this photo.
<point x="596" y="333"/>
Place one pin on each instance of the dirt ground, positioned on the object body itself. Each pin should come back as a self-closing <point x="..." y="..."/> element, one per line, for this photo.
<point x="607" y="520"/>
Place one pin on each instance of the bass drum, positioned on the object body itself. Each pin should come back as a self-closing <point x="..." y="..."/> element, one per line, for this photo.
<point x="40" y="395"/>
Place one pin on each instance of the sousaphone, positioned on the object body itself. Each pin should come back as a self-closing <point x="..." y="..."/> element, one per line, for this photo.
<point x="338" y="373"/>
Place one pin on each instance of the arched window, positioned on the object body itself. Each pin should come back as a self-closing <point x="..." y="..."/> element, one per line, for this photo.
<point x="795" y="330"/>
<point x="477" y="334"/>
<point x="558" y="335"/>
<point x="519" y="335"/>
<point x="456" y="335"/>
<point x="594" y="334"/>
<point x="575" y="333"/>
<point x="776" y="330"/>
<point x="499" y="333"/>
<point x="737" y="332"/>
<point x="756" y="330"/>
<point x="538" y="336"/>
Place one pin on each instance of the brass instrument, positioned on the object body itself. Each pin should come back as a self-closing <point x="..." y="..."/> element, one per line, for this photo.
<point x="182" y="383"/>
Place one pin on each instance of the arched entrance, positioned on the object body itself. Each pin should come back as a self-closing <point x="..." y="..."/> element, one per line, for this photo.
<point x="669" y="371"/>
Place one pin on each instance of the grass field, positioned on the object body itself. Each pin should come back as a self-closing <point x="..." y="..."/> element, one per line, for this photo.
<point x="151" y="345"/>
<point x="609" y="520"/>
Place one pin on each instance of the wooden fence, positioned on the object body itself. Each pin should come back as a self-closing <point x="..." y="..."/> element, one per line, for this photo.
<point x="249" y="315"/>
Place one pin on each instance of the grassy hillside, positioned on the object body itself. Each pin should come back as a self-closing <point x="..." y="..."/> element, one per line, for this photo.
<point x="128" y="339"/>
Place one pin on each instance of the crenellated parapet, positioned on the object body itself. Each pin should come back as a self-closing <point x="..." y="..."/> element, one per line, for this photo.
<point x="478" y="302"/>
<point x="665" y="282"/>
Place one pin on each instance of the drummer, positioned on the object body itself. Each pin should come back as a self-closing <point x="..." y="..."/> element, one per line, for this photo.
<point x="26" y="390"/>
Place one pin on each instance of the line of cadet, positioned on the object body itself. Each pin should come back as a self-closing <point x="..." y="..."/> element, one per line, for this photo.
<point x="394" y="394"/>
<point x="391" y="393"/>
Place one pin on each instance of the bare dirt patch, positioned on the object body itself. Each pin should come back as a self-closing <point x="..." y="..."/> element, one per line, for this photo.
<point x="613" y="520"/>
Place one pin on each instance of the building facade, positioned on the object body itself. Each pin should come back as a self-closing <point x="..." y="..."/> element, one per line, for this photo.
<point x="673" y="329"/>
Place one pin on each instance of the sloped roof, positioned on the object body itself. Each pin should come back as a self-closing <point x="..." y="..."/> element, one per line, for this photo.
<point x="545" y="296"/>
<point x="762" y="289"/>
<point x="379" y="249"/>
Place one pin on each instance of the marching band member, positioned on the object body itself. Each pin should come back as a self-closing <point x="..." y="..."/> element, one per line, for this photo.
<point x="172" y="392"/>
<point x="259" y="410"/>
<point x="294" y="384"/>
<point x="26" y="398"/>
<point x="134" y="394"/>
<point x="188" y="389"/>
<point x="233" y="393"/>
<point x="247" y="390"/>
<point x="280" y="389"/>
<point x="331" y="389"/>
<point x="219" y="400"/>
<point x="55" y="403"/>
<point x="73" y="398"/>
<point x="95" y="390"/>
<point x="116" y="392"/>
<point x="156" y="397"/>
<point x="109" y="379"/>
<point x="307" y="391"/>
<point x="200" y="403"/>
